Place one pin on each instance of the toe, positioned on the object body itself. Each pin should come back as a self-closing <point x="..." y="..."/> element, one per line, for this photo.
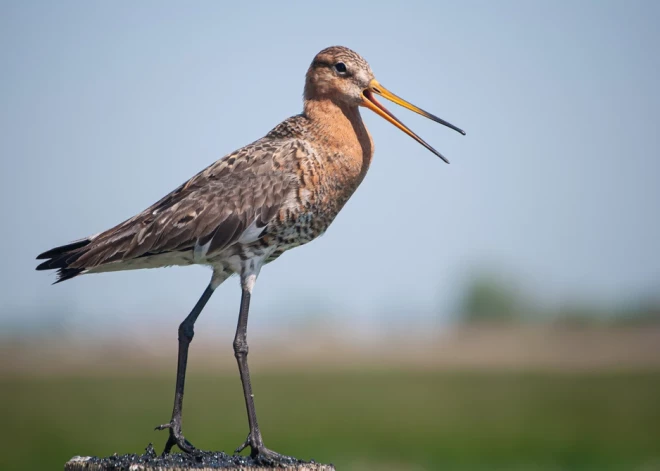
<point x="269" y="457"/>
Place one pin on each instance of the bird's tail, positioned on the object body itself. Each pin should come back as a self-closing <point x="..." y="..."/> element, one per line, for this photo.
<point x="61" y="258"/>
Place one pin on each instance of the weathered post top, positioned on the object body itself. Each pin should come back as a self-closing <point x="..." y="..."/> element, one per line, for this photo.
<point x="200" y="461"/>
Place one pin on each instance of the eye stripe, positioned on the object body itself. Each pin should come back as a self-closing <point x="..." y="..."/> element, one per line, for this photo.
<point x="319" y="63"/>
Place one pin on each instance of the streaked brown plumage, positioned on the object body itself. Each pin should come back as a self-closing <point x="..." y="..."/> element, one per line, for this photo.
<point x="252" y="205"/>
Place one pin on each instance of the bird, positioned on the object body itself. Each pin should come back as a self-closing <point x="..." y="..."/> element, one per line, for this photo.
<point x="249" y="207"/>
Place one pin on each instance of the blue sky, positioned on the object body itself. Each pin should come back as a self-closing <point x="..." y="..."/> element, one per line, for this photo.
<point x="106" y="107"/>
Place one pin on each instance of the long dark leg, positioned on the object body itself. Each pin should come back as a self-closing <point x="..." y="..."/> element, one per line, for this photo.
<point x="186" y="334"/>
<point x="241" y="351"/>
<point x="254" y="440"/>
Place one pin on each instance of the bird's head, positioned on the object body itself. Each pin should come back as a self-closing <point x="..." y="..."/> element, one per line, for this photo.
<point x="343" y="76"/>
<point x="339" y="74"/>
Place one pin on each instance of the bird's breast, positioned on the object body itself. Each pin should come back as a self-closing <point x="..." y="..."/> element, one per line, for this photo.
<point x="332" y="155"/>
<point x="325" y="184"/>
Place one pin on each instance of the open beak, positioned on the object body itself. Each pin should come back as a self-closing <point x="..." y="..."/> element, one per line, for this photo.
<point x="377" y="107"/>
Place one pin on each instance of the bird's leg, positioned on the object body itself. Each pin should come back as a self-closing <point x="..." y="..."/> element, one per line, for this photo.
<point x="254" y="440"/>
<point x="186" y="333"/>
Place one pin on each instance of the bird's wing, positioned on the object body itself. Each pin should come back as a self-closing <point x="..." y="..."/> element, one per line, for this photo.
<point x="233" y="199"/>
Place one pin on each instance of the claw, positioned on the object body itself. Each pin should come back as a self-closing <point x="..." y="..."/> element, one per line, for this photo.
<point x="176" y="438"/>
<point x="270" y="458"/>
<point x="263" y="455"/>
<point x="244" y="445"/>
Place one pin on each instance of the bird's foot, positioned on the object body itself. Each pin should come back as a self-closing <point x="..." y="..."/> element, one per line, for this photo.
<point x="176" y="438"/>
<point x="263" y="455"/>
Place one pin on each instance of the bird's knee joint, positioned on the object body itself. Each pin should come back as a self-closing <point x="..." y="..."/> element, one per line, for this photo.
<point x="186" y="332"/>
<point x="240" y="348"/>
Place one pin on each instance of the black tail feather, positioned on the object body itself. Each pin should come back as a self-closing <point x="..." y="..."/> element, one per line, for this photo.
<point x="52" y="253"/>
<point x="64" y="274"/>
<point x="60" y="259"/>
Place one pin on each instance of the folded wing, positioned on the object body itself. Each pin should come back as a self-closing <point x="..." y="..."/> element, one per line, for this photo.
<point x="233" y="199"/>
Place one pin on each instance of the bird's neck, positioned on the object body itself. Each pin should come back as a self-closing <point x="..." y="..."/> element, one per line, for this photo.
<point x="343" y="145"/>
<point x="339" y="129"/>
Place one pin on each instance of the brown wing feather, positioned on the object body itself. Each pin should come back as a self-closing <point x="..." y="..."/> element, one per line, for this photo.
<point x="216" y="205"/>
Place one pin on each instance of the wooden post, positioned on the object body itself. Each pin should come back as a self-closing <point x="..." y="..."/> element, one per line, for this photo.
<point x="204" y="461"/>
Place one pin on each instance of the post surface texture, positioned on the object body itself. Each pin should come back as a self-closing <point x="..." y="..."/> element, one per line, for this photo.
<point x="207" y="461"/>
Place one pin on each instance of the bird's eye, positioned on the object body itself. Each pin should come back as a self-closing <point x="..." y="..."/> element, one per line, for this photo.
<point x="340" y="67"/>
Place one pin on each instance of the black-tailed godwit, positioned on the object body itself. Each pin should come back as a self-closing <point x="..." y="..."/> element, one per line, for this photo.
<point x="251" y="206"/>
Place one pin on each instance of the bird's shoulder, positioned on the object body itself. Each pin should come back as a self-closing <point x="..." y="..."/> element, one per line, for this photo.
<point x="274" y="157"/>
<point x="294" y="127"/>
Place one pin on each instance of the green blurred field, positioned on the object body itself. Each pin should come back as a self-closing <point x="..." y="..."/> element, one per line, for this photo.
<point x="357" y="420"/>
